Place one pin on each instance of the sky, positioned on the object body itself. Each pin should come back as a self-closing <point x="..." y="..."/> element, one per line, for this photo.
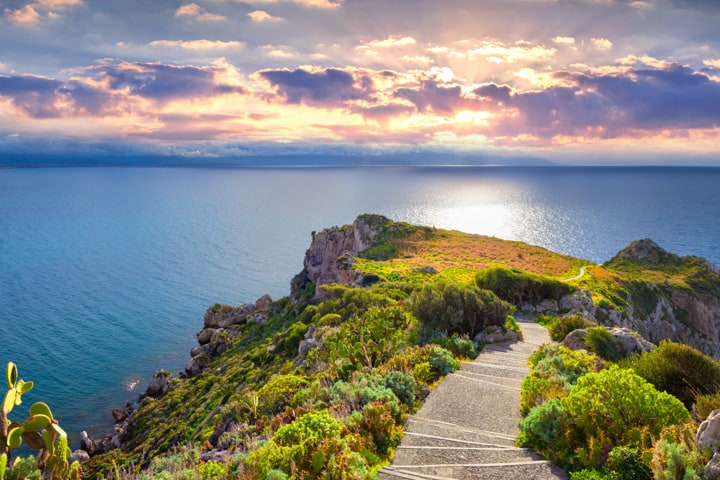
<point x="568" y="80"/>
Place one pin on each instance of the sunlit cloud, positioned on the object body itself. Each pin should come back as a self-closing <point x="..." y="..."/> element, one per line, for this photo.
<point x="602" y="44"/>
<point x="195" y="11"/>
<point x="260" y="16"/>
<point x="26" y="15"/>
<point x="305" y="3"/>
<point x="564" y="40"/>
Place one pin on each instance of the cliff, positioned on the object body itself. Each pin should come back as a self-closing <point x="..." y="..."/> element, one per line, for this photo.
<point x="346" y="340"/>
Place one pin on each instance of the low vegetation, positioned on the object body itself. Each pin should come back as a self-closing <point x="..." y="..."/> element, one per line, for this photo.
<point x="322" y="388"/>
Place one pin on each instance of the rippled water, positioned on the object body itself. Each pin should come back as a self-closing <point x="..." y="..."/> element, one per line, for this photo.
<point x="105" y="273"/>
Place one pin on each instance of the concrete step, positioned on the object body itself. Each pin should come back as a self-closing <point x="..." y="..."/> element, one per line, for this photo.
<point x="408" y="455"/>
<point x="427" y="432"/>
<point x="530" y="470"/>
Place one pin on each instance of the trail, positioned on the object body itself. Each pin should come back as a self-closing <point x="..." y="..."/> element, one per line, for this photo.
<point x="468" y="425"/>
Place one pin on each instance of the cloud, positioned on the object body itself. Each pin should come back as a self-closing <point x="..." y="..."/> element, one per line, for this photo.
<point x="564" y="40"/>
<point x="260" y="16"/>
<point x="30" y="14"/>
<point x="32" y="95"/>
<point x="26" y="15"/>
<point x="195" y="11"/>
<point x="602" y="44"/>
<point x="306" y="3"/>
<point x="321" y="87"/>
<point x="433" y="97"/>
<point x="202" y="44"/>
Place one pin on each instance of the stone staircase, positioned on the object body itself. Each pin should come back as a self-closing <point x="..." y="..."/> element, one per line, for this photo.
<point x="467" y="427"/>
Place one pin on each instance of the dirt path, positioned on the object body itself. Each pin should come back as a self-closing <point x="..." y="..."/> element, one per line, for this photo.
<point x="578" y="276"/>
<point x="467" y="427"/>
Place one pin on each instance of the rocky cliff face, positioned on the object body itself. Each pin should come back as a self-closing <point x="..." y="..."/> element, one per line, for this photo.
<point x="330" y="257"/>
<point x="662" y="311"/>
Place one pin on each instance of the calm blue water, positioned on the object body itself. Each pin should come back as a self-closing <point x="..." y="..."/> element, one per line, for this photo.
<point x="105" y="273"/>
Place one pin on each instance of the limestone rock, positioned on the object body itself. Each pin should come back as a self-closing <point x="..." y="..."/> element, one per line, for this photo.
<point x="495" y="334"/>
<point x="547" y="306"/>
<point x="159" y="384"/>
<point x="119" y="415"/>
<point x="223" y="316"/>
<point x="330" y="258"/>
<point x="578" y="303"/>
<point x="80" y="456"/>
<point x="630" y="342"/>
<point x="646" y="250"/>
<point x="712" y="469"/>
<point x="575" y="340"/>
<point x="708" y="434"/>
<point x="87" y="443"/>
<point x="205" y="335"/>
<point x="263" y="303"/>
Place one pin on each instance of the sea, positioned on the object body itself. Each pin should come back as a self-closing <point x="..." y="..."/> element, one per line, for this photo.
<point x="106" y="272"/>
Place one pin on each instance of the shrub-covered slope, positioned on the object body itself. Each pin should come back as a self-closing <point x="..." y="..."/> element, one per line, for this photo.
<point x="319" y="383"/>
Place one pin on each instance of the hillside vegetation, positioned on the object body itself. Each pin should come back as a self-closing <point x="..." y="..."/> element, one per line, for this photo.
<point x="319" y="384"/>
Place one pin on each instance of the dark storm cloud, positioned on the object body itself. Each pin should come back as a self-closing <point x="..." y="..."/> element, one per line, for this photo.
<point x="35" y="96"/>
<point x="674" y="98"/>
<point x="433" y="97"/>
<point x="328" y="87"/>
<point x="165" y="82"/>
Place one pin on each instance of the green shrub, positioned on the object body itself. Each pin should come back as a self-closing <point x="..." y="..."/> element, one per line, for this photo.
<point x="23" y="469"/>
<point x="212" y="470"/>
<point x="601" y="342"/>
<point x="276" y="475"/>
<point x="614" y="407"/>
<point x="402" y="385"/>
<point x="678" y="369"/>
<point x="555" y="369"/>
<point x="519" y="287"/>
<point x="673" y="461"/>
<point x="442" y="361"/>
<point x="624" y="463"/>
<point x="276" y="394"/>
<point x="312" y="446"/>
<point x="448" y="308"/>
<point x="705" y="405"/>
<point x="293" y="336"/>
<point x="586" y="474"/>
<point x="458" y="346"/>
<point x="559" y="327"/>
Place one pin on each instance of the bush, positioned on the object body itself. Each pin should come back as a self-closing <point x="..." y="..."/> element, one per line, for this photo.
<point x="458" y="346"/>
<point x="555" y="369"/>
<point x="449" y="308"/>
<point x="402" y="385"/>
<point x="588" y="475"/>
<point x="628" y="407"/>
<point x="519" y="287"/>
<point x="624" y="463"/>
<point x="614" y="407"/>
<point x="559" y="327"/>
<point x="311" y="446"/>
<point x="275" y="395"/>
<point x="676" y="461"/>
<point x="442" y="361"/>
<point x="601" y="342"/>
<point x="677" y="369"/>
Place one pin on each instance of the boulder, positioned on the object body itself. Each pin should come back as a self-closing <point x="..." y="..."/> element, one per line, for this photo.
<point x="80" y="456"/>
<point x="630" y="342"/>
<point x="712" y="469"/>
<point x="87" y="443"/>
<point x="159" y="384"/>
<point x="263" y="303"/>
<point x="579" y="302"/>
<point x="495" y="334"/>
<point x="119" y="415"/>
<point x="575" y="340"/>
<point x="205" y="335"/>
<point x="708" y="434"/>
<point x="547" y="306"/>
<point x="223" y="316"/>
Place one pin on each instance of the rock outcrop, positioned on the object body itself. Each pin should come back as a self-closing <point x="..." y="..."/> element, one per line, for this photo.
<point x="627" y="341"/>
<point x="331" y="255"/>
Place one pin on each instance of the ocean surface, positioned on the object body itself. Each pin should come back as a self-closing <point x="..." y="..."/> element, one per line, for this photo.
<point x="105" y="273"/>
